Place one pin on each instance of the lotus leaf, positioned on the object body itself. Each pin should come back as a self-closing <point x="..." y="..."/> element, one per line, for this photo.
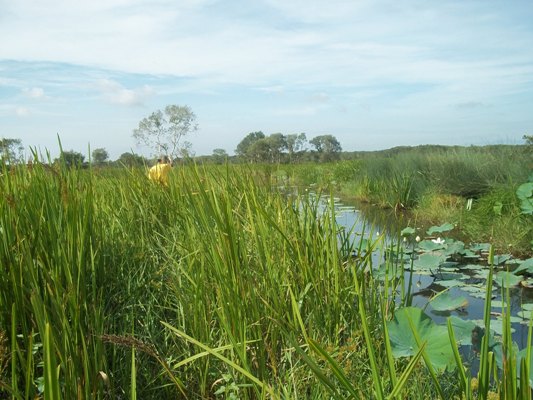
<point x="439" y="229"/>
<point x="507" y="279"/>
<point x="448" y="302"/>
<point x="407" y="231"/>
<point x="526" y="314"/>
<point x="450" y="275"/>
<point x="462" y="330"/>
<point x="500" y="259"/>
<point x="450" y="283"/>
<point x="525" y="194"/>
<point x="526" y="265"/>
<point x="455" y="248"/>
<point x="498" y="304"/>
<point x="428" y="245"/>
<point x="429" y="261"/>
<point x="527" y="306"/>
<point x="403" y="342"/>
<point x="480" y="247"/>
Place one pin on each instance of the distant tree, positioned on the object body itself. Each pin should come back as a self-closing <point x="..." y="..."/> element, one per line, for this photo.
<point x="71" y="158"/>
<point x="243" y="148"/>
<point x="327" y="147"/>
<point x="219" y="156"/>
<point x="278" y="144"/>
<point x="131" y="160"/>
<point x="528" y="139"/>
<point x="260" y="151"/>
<point x="295" y="143"/>
<point x="186" y="151"/>
<point x="163" y="130"/>
<point x="100" y="156"/>
<point x="10" y="150"/>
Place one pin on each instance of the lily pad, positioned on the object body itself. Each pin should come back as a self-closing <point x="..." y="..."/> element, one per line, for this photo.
<point x="507" y="279"/>
<point x="428" y="245"/>
<point x="448" y="302"/>
<point x="462" y="330"/>
<point x="450" y="283"/>
<point x="500" y="259"/>
<point x="403" y="342"/>
<point x="526" y="265"/>
<point x="407" y="231"/>
<point x="525" y="314"/>
<point x="439" y="229"/>
<point x="483" y="247"/>
<point x="455" y="248"/>
<point x="527" y="306"/>
<point x="498" y="304"/>
<point x="429" y="261"/>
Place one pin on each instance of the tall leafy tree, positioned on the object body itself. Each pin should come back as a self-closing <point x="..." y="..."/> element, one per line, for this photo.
<point x="100" y="156"/>
<point x="71" y="158"/>
<point x="11" y="150"/>
<point x="295" y="143"/>
<point x="243" y="148"/>
<point x="327" y="147"/>
<point x="219" y="156"/>
<point x="163" y="131"/>
<point x="131" y="160"/>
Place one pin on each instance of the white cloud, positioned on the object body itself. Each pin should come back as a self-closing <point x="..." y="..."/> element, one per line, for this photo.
<point x="115" y="93"/>
<point x="34" y="93"/>
<point x="22" y="112"/>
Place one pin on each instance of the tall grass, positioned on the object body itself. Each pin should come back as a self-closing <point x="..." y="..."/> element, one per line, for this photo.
<point x="114" y="287"/>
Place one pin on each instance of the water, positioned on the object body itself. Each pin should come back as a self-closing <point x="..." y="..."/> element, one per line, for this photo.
<point x="425" y="286"/>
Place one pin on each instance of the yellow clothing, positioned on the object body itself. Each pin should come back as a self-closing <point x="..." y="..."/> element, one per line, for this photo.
<point x="159" y="173"/>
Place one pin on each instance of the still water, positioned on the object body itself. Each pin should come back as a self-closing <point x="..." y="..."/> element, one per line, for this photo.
<point x="424" y="286"/>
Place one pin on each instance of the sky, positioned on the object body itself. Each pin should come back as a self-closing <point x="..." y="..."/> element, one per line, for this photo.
<point x="373" y="73"/>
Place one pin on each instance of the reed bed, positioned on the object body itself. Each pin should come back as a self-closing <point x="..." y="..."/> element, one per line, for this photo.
<point x="217" y="286"/>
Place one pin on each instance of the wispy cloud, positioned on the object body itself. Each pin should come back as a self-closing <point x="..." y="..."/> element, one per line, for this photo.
<point x="22" y="112"/>
<point x="115" y="93"/>
<point x="34" y="93"/>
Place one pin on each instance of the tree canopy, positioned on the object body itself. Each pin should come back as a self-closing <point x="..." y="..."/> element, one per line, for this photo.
<point x="163" y="131"/>
<point x="10" y="150"/>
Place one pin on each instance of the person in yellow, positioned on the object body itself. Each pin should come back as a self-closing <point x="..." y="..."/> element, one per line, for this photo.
<point x="159" y="172"/>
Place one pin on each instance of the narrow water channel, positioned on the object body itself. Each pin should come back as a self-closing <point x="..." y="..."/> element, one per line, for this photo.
<point x="426" y="285"/>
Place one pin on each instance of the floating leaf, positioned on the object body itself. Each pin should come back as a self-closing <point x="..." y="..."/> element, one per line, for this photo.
<point x="527" y="306"/>
<point x="455" y="248"/>
<point x="500" y="259"/>
<point x="525" y="314"/>
<point x="484" y="247"/>
<point x="462" y="330"/>
<point x="428" y="261"/>
<point x="450" y="275"/>
<point x="403" y="343"/>
<point x="507" y="279"/>
<point x="450" y="283"/>
<point x="448" y="302"/>
<point x="498" y="304"/>
<point x="428" y="245"/>
<point x="526" y="265"/>
<point x="407" y="231"/>
<point x="439" y="229"/>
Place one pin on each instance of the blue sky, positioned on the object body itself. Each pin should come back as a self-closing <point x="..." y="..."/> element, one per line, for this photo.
<point x="375" y="74"/>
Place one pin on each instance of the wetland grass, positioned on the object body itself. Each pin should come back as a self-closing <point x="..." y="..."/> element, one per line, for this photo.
<point x="218" y="286"/>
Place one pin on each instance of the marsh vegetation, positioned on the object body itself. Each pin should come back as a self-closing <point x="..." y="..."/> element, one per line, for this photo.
<point x="221" y="286"/>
